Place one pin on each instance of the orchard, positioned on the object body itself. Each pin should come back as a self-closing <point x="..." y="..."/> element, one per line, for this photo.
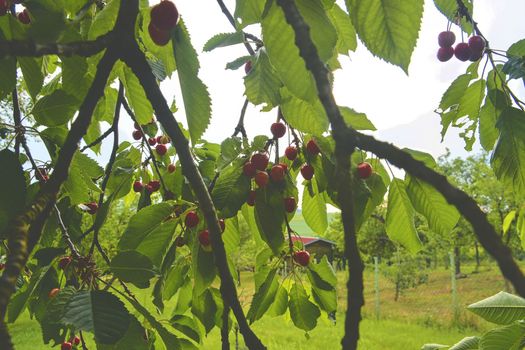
<point x="69" y="68"/>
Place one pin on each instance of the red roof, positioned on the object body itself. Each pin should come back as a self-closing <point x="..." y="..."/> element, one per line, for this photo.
<point x="309" y="240"/>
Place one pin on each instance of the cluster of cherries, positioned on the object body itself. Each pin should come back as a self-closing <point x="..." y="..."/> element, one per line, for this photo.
<point x="192" y="220"/>
<point x="471" y="50"/>
<point x="164" y="17"/>
<point x="23" y="16"/>
<point x="160" y="142"/>
<point x="151" y="186"/>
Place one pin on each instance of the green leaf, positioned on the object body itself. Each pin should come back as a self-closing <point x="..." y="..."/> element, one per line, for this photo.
<point x="197" y="103"/>
<point x="222" y="40"/>
<point x="502" y="308"/>
<point x="263" y="297"/>
<point x="12" y="187"/>
<point x="470" y="102"/>
<point x="205" y="308"/>
<point x="187" y="326"/>
<point x="346" y="38"/>
<point x="262" y="83"/>
<point x="314" y="208"/>
<point x="433" y="346"/>
<point x="449" y="9"/>
<point x="488" y="133"/>
<point x="230" y="191"/>
<point x="104" y="20"/>
<point x="356" y="120"/>
<point x="7" y="75"/>
<point x="389" y="29"/>
<point x="400" y="217"/>
<point x="134" y="267"/>
<point x="508" y="159"/>
<point x="280" y="303"/>
<point x="279" y="40"/>
<point x="455" y="91"/>
<point x="33" y="77"/>
<point x="80" y="183"/>
<point x="303" y="312"/>
<point x="467" y="343"/>
<point x="143" y="223"/>
<point x="50" y="321"/>
<point x="98" y="312"/>
<point x="249" y="11"/>
<point x="324" y="271"/>
<point x="304" y="116"/>
<point x="269" y="216"/>
<point x="442" y="217"/>
<point x="204" y="270"/>
<point x="509" y="218"/>
<point x="175" y="279"/>
<point x="132" y="339"/>
<point x="322" y="31"/>
<point x="238" y="62"/>
<point x="47" y="20"/>
<point x="136" y="96"/>
<point x="510" y="337"/>
<point x="55" y="109"/>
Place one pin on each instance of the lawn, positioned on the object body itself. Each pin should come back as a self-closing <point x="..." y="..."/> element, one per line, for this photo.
<point x="423" y="314"/>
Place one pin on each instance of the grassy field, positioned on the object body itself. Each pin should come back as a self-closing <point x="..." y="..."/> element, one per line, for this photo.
<point x="421" y="315"/>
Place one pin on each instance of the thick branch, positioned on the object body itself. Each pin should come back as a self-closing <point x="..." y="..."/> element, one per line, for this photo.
<point x="136" y="60"/>
<point x="79" y="48"/>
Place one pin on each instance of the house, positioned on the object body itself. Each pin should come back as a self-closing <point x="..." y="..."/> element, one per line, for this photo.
<point x="317" y="246"/>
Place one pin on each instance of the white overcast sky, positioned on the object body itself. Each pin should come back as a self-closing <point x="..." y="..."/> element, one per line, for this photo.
<point x="400" y="106"/>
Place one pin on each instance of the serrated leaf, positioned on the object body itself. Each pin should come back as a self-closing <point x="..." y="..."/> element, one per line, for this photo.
<point x="55" y="109"/>
<point x="389" y="29"/>
<point x="263" y="297"/>
<point x="230" y="191"/>
<point x="303" y="312"/>
<point x="467" y="343"/>
<point x="98" y="312"/>
<point x="508" y="159"/>
<point x="238" y="62"/>
<point x="308" y="117"/>
<point x="187" y="326"/>
<point x="346" y="38"/>
<point x="433" y="346"/>
<point x="222" y="40"/>
<point x="249" y="11"/>
<point x="324" y="271"/>
<point x="502" y="308"/>
<point x="204" y="270"/>
<point x="488" y="133"/>
<point x="314" y="208"/>
<point x="449" y="9"/>
<point x="280" y="303"/>
<point x="442" y="217"/>
<point x="197" y="103"/>
<point x="204" y="307"/>
<point x="510" y="337"/>
<point x="134" y="267"/>
<point x="262" y="83"/>
<point x="269" y="216"/>
<point x="400" y="217"/>
<point x="104" y="20"/>
<point x="470" y="102"/>
<point x="82" y="171"/>
<point x="279" y="40"/>
<point x="136" y="96"/>
<point x="32" y="72"/>
<point x="509" y="218"/>
<point x="356" y="120"/>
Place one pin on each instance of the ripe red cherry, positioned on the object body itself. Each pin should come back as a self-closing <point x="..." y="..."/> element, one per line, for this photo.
<point x="159" y="37"/>
<point x="249" y="169"/>
<point x="161" y="149"/>
<point x="152" y="141"/>
<point x="171" y="168"/>
<point x="251" y="198"/>
<point x="284" y="166"/>
<point x="158" y="138"/>
<point x="262" y="178"/>
<point x="64" y="262"/>
<point x="66" y="346"/>
<point x="23" y="17"/>
<point x="138" y="186"/>
<point x="302" y="257"/>
<point x="149" y="189"/>
<point x="277" y="173"/>
<point x="192" y="219"/>
<point x="136" y="126"/>
<point x="290" y="152"/>
<point x="364" y="170"/>
<point x="137" y="135"/>
<point x="445" y="53"/>
<point x="41" y="174"/>
<point x="476" y="43"/>
<point x="260" y="161"/>
<point x="312" y="148"/>
<point x="446" y="39"/>
<point x="289" y="204"/>
<point x="248" y="67"/>
<point x="204" y="238"/>
<point x="278" y="130"/>
<point x="53" y="292"/>
<point x="93" y="207"/>
<point x="4" y="7"/>
<point x="164" y="15"/>
<point x="307" y="171"/>
<point x="75" y="340"/>
<point x="462" y="52"/>
<point x="180" y="241"/>
<point x="222" y="225"/>
<point x="475" y="56"/>
<point x="154" y="185"/>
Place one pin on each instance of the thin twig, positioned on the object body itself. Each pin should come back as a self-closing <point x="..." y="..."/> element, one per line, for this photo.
<point x="240" y="124"/>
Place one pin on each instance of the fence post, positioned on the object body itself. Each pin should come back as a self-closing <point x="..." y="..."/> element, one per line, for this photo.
<point x="376" y="286"/>
<point x="453" y="284"/>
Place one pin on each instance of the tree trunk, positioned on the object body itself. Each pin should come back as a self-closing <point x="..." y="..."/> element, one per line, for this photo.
<point x="477" y="255"/>
<point x="457" y="256"/>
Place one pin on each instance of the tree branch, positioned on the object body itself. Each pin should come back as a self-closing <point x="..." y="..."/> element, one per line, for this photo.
<point x="228" y="15"/>
<point x="79" y="48"/>
<point x="225" y="330"/>
<point x="136" y="60"/>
